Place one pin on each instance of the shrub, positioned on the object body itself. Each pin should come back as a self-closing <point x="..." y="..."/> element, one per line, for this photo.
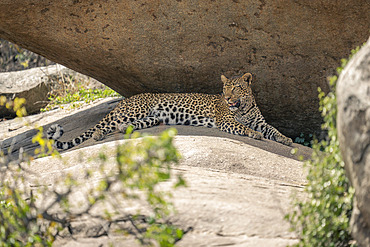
<point x="137" y="167"/>
<point x="322" y="218"/>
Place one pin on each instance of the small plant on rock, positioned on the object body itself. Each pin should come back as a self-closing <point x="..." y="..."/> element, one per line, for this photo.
<point x="305" y="140"/>
<point x="69" y="90"/>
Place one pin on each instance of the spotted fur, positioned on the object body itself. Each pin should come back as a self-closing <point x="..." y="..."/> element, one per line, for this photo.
<point x="235" y="111"/>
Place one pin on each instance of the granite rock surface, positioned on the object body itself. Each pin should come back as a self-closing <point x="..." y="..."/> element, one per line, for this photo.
<point x="353" y="96"/>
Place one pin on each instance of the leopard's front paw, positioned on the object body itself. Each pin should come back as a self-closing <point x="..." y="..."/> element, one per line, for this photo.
<point x="123" y="127"/>
<point x="255" y="135"/>
<point x="284" y="140"/>
<point x="288" y="141"/>
<point x="98" y="135"/>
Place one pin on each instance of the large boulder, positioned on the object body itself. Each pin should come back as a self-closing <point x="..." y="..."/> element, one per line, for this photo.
<point x="34" y="85"/>
<point x="353" y="94"/>
<point x="184" y="46"/>
<point x="236" y="195"/>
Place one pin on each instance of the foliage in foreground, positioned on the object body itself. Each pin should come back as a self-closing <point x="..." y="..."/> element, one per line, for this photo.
<point x="323" y="218"/>
<point x="131" y="172"/>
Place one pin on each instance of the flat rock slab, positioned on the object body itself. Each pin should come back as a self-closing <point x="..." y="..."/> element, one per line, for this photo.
<point x="222" y="205"/>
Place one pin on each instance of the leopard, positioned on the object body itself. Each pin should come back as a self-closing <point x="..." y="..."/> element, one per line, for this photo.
<point x="234" y="111"/>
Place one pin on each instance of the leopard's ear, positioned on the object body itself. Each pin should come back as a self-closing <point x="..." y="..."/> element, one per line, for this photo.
<point x="247" y="77"/>
<point x="224" y="79"/>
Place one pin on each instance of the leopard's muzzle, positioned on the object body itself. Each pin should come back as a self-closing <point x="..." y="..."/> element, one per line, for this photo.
<point x="234" y="106"/>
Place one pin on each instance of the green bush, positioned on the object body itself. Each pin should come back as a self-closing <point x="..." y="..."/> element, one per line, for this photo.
<point x="20" y="221"/>
<point x="322" y="218"/>
<point x="136" y="169"/>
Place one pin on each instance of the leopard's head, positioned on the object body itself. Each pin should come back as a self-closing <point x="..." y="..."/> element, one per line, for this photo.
<point x="237" y="91"/>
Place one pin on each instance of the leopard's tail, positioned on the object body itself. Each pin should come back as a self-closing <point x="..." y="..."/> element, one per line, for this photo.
<point x="55" y="131"/>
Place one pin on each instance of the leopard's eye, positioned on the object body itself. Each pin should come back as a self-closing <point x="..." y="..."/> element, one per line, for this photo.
<point x="236" y="87"/>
